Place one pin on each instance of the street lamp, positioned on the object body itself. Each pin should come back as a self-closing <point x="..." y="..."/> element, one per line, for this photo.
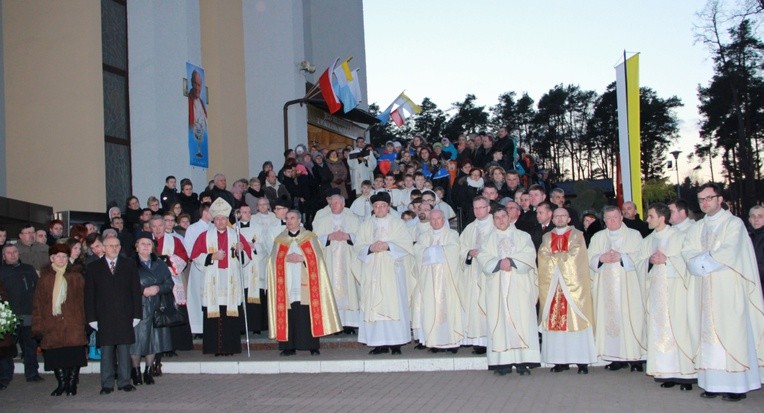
<point x="676" y="166"/>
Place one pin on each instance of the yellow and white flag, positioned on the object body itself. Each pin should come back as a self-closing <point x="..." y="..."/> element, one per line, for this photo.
<point x="627" y="94"/>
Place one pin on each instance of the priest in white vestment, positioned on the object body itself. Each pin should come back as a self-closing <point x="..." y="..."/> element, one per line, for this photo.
<point x="680" y="215"/>
<point x="508" y="261"/>
<point x="261" y="222"/>
<point x="384" y="267"/>
<point x="669" y="348"/>
<point x="472" y="282"/>
<point x="336" y="235"/>
<point x="566" y="318"/>
<point x="437" y="253"/>
<point x="728" y="305"/>
<point x="195" y="274"/>
<point x="617" y="290"/>
<point x="255" y="272"/>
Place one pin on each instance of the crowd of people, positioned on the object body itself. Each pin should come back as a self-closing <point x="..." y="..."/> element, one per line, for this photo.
<point x="449" y="245"/>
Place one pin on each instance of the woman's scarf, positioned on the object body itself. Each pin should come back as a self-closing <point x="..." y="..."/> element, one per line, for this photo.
<point x="475" y="183"/>
<point x="59" y="289"/>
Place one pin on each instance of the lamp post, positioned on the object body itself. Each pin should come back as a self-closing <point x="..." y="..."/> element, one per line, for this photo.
<point x="676" y="166"/>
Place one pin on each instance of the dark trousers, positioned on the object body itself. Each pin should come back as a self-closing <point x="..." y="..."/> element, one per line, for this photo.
<point x="300" y="335"/>
<point x="29" y="350"/>
<point x="107" y="365"/>
<point x="6" y="370"/>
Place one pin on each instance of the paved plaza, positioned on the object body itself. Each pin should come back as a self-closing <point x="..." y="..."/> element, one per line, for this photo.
<point x="466" y="390"/>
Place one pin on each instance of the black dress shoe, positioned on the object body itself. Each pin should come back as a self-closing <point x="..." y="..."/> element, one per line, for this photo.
<point x="395" y="350"/>
<point x="127" y="388"/>
<point x="709" y="395"/>
<point x="637" y="367"/>
<point x="315" y="352"/>
<point x="583" y="369"/>
<point x="106" y="390"/>
<point x="503" y="371"/>
<point x="559" y="368"/>
<point x="523" y="370"/>
<point x="685" y="387"/>
<point x="478" y="350"/>
<point x="35" y="379"/>
<point x="286" y="353"/>
<point x="454" y="350"/>
<point x="668" y="384"/>
<point x="615" y="366"/>
<point x="3" y="386"/>
<point x="436" y="350"/>
<point x="420" y="346"/>
<point x="733" y="397"/>
<point x="379" y="350"/>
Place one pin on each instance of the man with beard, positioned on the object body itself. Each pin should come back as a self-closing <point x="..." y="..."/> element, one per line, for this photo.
<point x="729" y="310"/>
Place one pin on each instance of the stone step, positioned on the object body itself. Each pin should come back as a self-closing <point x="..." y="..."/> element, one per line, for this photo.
<point x="331" y="360"/>
<point x="261" y="342"/>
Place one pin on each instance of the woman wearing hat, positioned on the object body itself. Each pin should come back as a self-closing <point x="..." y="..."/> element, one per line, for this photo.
<point x="155" y="280"/>
<point x="58" y="317"/>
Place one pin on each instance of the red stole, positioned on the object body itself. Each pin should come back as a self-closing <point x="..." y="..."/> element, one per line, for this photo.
<point x="558" y="309"/>
<point x="282" y="305"/>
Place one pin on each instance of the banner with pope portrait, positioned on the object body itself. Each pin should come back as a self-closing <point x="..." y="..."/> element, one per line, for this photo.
<point x="197" y="116"/>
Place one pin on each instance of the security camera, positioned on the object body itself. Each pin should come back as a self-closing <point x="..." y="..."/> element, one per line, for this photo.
<point x="307" y="66"/>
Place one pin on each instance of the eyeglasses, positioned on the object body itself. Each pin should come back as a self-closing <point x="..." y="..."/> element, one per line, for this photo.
<point x="708" y="198"/>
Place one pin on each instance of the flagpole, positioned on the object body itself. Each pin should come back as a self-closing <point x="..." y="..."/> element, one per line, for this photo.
<point x="316" y="87"/>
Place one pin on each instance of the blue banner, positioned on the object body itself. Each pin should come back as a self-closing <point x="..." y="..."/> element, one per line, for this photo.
<point x="197" y="117"/>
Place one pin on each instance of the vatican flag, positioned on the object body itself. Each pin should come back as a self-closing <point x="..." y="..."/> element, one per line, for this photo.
<point x="627" y="93"/>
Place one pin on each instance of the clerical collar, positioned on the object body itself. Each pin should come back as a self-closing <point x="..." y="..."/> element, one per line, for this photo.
<point x="293" y="235"/>
<point x="243" y="224"/>
<point x="283" y="222"/>
<point x="715" y="216"/>
<point x="560" y="231"/>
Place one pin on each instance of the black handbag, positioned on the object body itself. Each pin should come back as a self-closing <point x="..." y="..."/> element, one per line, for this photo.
<point x="167" y="314"/>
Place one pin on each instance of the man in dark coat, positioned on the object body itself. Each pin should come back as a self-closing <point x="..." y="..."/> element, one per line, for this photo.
<point x="112" y="308"/>
<point x="544" y="213"/>
<point x="7" y="351"/>
<point x="19" y="280"/>
<point x="631" y="219"/>
<point x="169" y="194"/>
